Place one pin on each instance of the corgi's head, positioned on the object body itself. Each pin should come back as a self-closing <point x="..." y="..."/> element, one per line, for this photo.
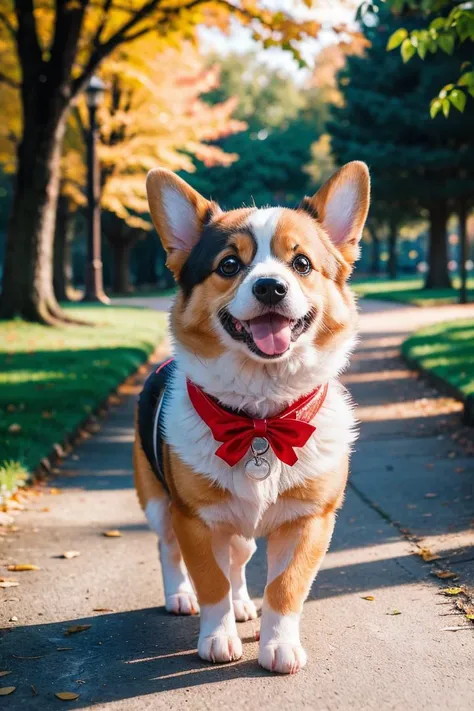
<point x="267" y="284"/>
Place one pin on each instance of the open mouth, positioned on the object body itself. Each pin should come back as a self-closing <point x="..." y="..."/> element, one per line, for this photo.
<point x="269" y="335"/>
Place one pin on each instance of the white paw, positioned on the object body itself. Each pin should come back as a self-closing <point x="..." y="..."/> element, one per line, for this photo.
<point x="220" y="649"/>
<point x="244" y="610"/>
<point x="182" y="603"/>
<point x="282" y="658"/>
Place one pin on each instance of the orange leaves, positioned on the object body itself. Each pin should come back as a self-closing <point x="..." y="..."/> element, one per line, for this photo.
<point x="370" y="598"/>
<point x="112" y="534"/>
<point x="427" y="555"/>
<point x="23" y="567"/>
<point x="444" y="574"/>
<point x="7" y="690"/>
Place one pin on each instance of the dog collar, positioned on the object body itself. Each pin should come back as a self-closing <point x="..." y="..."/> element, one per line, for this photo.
<point x="238" y="432"/>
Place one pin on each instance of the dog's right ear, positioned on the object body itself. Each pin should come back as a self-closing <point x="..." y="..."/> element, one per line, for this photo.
<point x="178" y="213"/>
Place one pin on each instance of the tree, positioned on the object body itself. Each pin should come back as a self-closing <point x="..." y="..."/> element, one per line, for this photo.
<point x="153" y="115"/>
<point x="54" y="48"/>
<point x="283" y="120"/>
<point x="416" y="163"/>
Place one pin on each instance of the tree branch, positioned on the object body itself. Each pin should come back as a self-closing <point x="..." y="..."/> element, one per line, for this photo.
<point x="8" y="24"/>
<point x="4" y="79"/>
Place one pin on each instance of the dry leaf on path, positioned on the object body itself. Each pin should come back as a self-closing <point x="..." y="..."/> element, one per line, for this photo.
<point x="76" y="628"/>
<point x="6" y="690"/>
<point x="22" y="567"/>
<point x="394" y="612"/>
<point x="4" y="673"/>
<point x="444" y="574"/>
<point x="102" y="609"/>
<point x="368" y="597"/>
<point x="451" y="591"/>
<point x="427" y="555"/>
<point x="470" y="616"/>
<point x="9" y="584"/>
<point x="112" y="534"/>
<point x="70" y="554"/>
<point x="66" y="695"/>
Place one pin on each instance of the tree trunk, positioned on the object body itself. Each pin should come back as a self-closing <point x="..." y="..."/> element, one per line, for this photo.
<point x="438" y="274"/>
<point x="375" y="252"/>
<point x="62" y="276"/>
<point x="121" y="274"/>
<point x="464" y="251"/>
<point x="392" y="250"/>
<point x="28" y="273"/>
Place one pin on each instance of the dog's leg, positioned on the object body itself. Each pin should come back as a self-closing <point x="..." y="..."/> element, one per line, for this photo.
<point x="241" y="550"/>
<point x="207" y="556"/>
<point x="295" y="552"/>
<point x="179" y="594"/>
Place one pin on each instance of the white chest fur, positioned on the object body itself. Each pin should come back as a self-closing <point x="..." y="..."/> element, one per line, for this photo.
<point x="255" y="507"/>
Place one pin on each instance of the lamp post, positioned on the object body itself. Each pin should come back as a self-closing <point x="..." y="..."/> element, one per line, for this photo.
<point x="94" y="290"/>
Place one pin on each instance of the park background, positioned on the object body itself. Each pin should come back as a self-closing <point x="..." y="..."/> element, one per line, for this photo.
<point x="253" y="100"/>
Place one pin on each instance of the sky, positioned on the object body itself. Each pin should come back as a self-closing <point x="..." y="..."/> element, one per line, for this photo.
<point x="328" y="12"/>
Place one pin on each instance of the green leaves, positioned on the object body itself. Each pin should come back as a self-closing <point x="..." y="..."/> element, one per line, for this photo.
<point x="407" y="50"/>
<point x="397" y="38"/>
<point x="458" y="99"/>
<point x="446" y="42"/>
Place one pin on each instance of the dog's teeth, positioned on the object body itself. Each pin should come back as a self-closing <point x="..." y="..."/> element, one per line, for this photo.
<point x="238" y="325"/>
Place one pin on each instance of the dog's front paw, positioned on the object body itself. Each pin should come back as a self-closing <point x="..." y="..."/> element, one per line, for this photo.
<point x="220" y="649"/>
<point x="282" y="658"/>
<point x="244" y="610"/>
<point x="182" y="603"/>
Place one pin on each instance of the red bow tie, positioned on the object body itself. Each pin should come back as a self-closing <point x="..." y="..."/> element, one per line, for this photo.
<point x="291" y="428"/>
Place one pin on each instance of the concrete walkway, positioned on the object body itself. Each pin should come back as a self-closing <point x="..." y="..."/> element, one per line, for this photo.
<point x="411" y="487"/>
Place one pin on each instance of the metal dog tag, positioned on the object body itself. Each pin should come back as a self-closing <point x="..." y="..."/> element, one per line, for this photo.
<point x="258" y="468"/>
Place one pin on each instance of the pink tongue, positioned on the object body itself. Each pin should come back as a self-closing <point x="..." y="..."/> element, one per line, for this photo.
<point x="271" y="333"/>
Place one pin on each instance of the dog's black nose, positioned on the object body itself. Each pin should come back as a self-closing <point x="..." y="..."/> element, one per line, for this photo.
<point x="269" y="291"/>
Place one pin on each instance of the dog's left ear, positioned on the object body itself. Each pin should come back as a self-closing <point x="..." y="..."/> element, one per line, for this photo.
<point x="341" y="206"/>
<point x="178" y="213"/>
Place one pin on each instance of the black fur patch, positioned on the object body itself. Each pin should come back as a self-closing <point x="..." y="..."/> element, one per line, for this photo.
<point x="308" y="207"/>
<point x="200" y="263"/>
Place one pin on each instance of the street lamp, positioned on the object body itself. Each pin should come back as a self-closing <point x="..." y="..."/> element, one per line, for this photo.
<point x="93" y="279"/>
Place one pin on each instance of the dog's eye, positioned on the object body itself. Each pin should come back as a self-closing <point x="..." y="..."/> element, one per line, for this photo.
<point x="229" y="266"/>
<point x="301" y="264"/>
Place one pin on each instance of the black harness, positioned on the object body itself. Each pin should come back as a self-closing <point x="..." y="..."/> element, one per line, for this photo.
<point x="151" y="407"/>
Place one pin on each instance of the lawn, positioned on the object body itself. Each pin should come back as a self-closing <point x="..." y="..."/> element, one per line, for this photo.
<point x="447" y="350"/>
<point x="51" y="379"/>
<point x="409" y="290"/>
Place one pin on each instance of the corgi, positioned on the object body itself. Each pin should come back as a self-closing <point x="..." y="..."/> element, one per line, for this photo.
<point x="246" y="431"/>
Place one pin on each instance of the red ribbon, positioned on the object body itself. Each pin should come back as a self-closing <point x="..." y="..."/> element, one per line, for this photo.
<point x="291" y="428"/>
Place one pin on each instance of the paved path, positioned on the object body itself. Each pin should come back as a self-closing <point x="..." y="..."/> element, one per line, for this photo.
<point x="411" y="478"/>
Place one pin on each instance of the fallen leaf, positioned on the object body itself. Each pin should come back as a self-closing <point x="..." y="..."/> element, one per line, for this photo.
<point x="9" y="584"/>
<point x="76" y="628"/>
<point x="66" y="695"/>
<point x="6" y="690"/>
<point x="13" y="619"/>
<point x="444" y="574"/>
<point x="368" y="597"/>
<point x="394" y="612"/>
<point x="70" y="554"/>
<point x="112" y="534"/>
<point x="102" y="609"/>
<point x="4" y="673"/>
<point x="21" y="568"/>
<point x="33" y="690"/>
<point x="54" y="491"/>
<point x="63" y="649"/>
<point x="451" y="591"/>
<point x="427" y="555"/>
<point x="14" y="428"/>
<point x="470" y="616"/>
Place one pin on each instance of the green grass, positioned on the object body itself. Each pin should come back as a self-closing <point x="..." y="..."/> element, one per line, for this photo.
<point x="409" y="290"/>
<point x="52" y="378"/>
<point x="447" y="350"/>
